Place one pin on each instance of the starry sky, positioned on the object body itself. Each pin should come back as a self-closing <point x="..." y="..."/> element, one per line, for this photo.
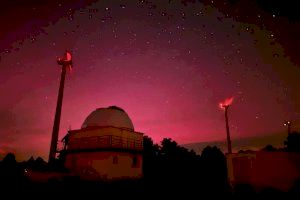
<point x="167" y="63"/>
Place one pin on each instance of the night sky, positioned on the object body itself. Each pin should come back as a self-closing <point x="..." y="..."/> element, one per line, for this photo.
<point x="167" y="63"/>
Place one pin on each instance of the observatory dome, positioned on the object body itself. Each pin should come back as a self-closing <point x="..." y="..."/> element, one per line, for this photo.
<point x="110" y="116"/>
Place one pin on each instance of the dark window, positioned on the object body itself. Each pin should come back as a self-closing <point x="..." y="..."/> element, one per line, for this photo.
<point x="134" y="161"/>
<point x="115" y="160"/>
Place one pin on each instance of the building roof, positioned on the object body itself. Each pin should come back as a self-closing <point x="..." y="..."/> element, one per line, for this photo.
<point x="110" y="116"/>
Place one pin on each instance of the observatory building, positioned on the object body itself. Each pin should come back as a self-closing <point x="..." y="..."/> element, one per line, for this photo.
<point x="105" y="148"/>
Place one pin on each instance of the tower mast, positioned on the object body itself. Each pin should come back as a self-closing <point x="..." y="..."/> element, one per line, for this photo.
<point x="225" y="106"/>
<point x="65" y="62"/>
<point x="227" y="130"/>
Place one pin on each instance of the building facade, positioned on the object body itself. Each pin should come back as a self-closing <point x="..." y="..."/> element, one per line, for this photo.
<point x="261" y="169"/>
<point x="105" y="148"/>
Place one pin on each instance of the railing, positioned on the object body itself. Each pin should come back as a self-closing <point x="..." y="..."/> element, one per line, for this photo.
<point x="105" y="141"/>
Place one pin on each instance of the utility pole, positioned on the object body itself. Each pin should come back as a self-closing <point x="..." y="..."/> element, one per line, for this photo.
<point x="65" y="62"/>
<point x="227" y="130"/>
<point x="225" y="106"/>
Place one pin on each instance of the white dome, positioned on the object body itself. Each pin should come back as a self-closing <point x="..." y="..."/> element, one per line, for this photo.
<point x="111" y="116"/>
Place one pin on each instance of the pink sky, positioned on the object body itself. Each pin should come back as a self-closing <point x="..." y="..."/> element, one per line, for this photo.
<point x="169" y="75"/>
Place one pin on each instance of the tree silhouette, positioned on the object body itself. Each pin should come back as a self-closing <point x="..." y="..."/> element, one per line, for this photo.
<point x="214" y="169"/>
<point x="292" y="143"/>
<point x="149" y="147"/>
<point x="169" y="147"/>
<point x="11" y="174"/>
<point x="150" y="158"/>
<point x="170" y="167"/>
<point x="9" y="160"/>
<point x="269" y="147"/>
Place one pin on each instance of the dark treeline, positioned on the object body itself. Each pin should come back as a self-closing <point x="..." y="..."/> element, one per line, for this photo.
<point x="291" y="144"/>
<point x="174" y="169"/>
<point x="169" y="170"/>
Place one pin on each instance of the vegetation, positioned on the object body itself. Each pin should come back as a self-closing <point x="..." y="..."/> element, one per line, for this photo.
<point x="292" y="143"/>
<point x="169" y="170"/>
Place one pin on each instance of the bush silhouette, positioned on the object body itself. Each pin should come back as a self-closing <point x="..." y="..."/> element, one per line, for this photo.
<point x="292" y="143"/>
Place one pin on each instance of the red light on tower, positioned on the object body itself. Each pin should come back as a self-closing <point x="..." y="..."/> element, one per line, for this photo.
<point x="226" y="102"/>
<point x="65" y="62"/>
<point x="224" y="106"/>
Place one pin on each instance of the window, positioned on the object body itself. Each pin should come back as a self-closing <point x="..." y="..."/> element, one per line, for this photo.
<point x="134" y="161"/>
<point x="115" y="160"/>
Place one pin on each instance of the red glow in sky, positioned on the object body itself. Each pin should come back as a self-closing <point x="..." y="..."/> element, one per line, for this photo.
<point x="226" y="102"/>
<point x="167" y="65"/>
<point x="68" y="56"/>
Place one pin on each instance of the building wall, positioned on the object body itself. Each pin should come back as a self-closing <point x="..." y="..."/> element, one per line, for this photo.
<point x="262" y="169"/>
<point x="106" y="165"/>
<point x="105" y="137"/>
<point x="104" y="153"/>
